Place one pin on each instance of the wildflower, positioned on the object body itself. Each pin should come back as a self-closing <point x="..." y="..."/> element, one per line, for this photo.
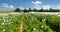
<point x="3" y="30"/>
<point x="34" y="28"/>
<point x="43" y="20"/>
<point x="41" y="26"/>
<point x="58" y="15"/>
<point x="3" y="23"/>
<point x="10" y="22"/>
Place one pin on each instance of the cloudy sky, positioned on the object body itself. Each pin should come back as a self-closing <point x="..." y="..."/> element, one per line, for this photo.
<point x="45" y="4"/>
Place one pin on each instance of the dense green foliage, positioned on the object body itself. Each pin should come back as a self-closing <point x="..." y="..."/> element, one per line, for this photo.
<point x="32" y="23"/>
<point x="37" y="10"/>
<point x="41" y="23"/>
<point x="17" y="10"/>
<point x="10" y="23"/>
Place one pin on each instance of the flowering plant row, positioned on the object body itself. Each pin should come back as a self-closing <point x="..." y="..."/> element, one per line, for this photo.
<point x="10" y="23"/>
<point x="32" y="23"/>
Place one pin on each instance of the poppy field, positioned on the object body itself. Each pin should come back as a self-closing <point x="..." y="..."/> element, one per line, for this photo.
<point x="31" y="23"/>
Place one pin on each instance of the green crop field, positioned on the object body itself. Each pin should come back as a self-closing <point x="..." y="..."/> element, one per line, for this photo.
<point x="10" y="23"/>
<point x="41" y="23"/>
<point x="31" y="22"/>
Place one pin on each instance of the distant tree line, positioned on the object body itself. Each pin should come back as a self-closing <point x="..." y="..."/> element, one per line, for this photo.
<point x="35" y="10"/>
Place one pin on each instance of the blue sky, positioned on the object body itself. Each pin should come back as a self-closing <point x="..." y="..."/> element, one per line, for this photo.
<point x="12" y="4"/>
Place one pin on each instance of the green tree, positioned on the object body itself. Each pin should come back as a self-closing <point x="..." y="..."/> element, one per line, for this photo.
<point x="17" y="10"/>
<point x="29" y="10"/>
<point x="25" y="10"/>
<point x="41" y="10"/>
<point x="51" y="10"/>
<point x="34" y="10"/>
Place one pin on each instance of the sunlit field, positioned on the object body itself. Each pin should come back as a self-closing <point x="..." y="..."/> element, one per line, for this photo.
<point x="32" y="22"/>
<point x="29" y="15"/>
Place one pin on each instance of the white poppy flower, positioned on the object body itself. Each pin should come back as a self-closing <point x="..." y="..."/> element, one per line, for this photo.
<point x="34" y="28"/>
<point x="41" y="26"/>
<point x="43" y="20"/>
<point x="10" y="22"/>
<point x="3" y="23"/>
<point x="3" y="30"/>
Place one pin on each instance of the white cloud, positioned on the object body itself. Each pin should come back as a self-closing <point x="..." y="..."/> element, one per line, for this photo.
<point x="21" y="8"/>
<point x="46" y="7"/>
<point x="11" y="6"/>
<point x="7" y="5"/>
<point x="36" y="3"/>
